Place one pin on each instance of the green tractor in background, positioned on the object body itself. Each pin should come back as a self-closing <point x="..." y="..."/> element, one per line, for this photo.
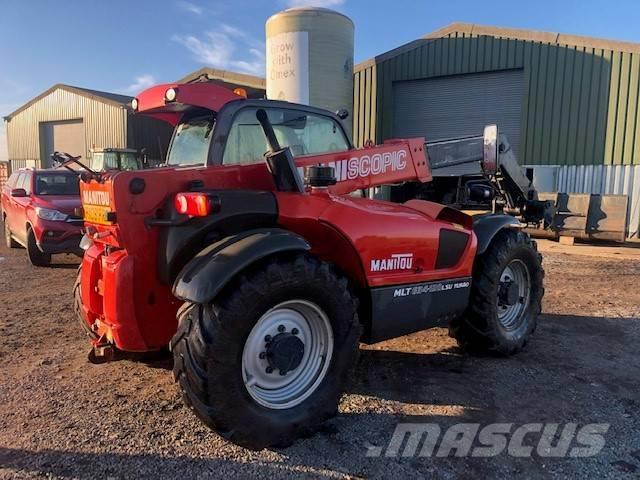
<point x="125" y="159"/>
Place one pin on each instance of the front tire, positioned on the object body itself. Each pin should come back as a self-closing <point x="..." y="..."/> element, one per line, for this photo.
<point x="36" y="256"/>
<point x="506" y="296"/>
<point x="266" y="361"/>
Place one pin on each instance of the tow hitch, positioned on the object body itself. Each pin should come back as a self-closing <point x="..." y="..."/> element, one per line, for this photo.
<point x="101" y="354"/>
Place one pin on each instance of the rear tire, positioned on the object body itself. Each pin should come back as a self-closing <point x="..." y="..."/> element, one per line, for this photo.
<point x="8" y="239"/>
<point x="506" y="296"/>
<point x="36" y="257"/>
<point x="211" y="344"/>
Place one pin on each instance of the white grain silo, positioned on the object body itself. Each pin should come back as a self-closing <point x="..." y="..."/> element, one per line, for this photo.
<point x="310" y="58"/>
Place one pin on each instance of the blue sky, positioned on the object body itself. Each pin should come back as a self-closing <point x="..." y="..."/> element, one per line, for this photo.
<point x="125" y="46"/>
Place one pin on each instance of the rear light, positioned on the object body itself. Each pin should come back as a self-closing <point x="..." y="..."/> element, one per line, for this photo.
<point x="193" y="204"/>
<point x="240" y="92"/>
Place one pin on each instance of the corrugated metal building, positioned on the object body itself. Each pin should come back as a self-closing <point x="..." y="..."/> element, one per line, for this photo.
<point x="74" y="120"/>
<point x="568" y="104"/>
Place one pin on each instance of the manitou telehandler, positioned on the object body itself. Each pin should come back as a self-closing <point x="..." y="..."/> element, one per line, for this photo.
<point x="263" y="271"/>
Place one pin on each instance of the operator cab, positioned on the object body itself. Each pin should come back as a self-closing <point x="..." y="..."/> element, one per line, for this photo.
<point x="304" y="132"/>
<point x="215" y="126"/>
<point x="108" y="159"/>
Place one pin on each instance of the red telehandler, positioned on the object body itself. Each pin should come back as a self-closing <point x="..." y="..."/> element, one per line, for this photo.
<point x="263" y="271"/>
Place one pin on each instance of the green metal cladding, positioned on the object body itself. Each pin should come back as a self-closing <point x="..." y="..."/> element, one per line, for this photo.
<point x="579" y="107"/>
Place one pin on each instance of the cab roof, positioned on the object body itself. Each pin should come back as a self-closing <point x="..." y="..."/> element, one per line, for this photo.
<point x="153" y="101"/>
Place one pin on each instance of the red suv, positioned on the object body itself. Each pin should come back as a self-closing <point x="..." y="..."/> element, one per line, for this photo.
<point x="38" y="211"/>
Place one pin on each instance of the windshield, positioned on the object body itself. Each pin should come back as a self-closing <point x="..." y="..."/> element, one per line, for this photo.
<point x="190" y="144"/>
<point x="57" y="184"/>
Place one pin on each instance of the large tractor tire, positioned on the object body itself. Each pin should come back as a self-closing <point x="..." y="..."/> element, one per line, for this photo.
<point x="506" y="296"/>
<point x="266" y="361"/>
<point x="8" y="239"/>
<point x="36" y="256"/>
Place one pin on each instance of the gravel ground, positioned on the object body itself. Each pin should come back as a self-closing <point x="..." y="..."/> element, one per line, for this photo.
<point x="62" y="417"/>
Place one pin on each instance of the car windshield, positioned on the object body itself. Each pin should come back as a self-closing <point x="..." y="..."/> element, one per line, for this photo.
<point x="191" y="140"/>
<point x="57" y="184"/>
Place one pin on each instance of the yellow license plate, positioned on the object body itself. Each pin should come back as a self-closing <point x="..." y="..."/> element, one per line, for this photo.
<point x="96" y="214"/>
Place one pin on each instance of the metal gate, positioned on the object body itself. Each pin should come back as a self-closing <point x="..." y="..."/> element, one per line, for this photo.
<point x="459" y="105"/>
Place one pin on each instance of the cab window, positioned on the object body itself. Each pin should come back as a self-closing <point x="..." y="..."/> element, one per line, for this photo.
<point x="304" y="133"/>
<point x="190" y="145"/>
<point x="24" y="182"/>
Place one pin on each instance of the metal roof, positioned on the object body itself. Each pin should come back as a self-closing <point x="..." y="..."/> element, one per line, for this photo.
<point x="104" y="97"/>
<point x="255" y="87"/>
<point x="234" y="78"/>
<point x="116" y="97"/>
<point x="475" y="30"/>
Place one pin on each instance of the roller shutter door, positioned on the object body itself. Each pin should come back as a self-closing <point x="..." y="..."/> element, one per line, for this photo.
<point x="453" y="106"/>
<point x="61" y="136"/>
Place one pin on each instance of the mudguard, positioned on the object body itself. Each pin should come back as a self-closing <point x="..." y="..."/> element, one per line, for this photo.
<point x="487" y="226"/>
<point x="206" y="274"/>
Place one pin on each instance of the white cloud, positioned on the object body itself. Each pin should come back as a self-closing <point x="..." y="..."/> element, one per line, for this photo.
<point x="140" y="83"/>
<point x="227" y="48"/>
<point x="191" y="8"/>
<point x="315" y="3"/>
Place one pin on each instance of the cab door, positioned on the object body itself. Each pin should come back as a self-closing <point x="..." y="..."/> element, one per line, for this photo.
<point x="20" y="206"/>
<point x="5" y="195"/>
<point x="11" y="204"/>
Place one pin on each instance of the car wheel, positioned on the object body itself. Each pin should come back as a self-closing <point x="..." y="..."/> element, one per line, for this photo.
<point x="36" y="256"/>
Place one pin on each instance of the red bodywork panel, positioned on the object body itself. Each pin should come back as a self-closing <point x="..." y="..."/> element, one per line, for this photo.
<point x="352" y="232"/>
<point x="152" y="102"/>
<point x="369" y="240"/>
<point x="141" y="316"/>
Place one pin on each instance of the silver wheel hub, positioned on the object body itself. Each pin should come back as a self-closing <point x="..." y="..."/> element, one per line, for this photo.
<point x="287" y="354"/>
<point x="513" y="294"/>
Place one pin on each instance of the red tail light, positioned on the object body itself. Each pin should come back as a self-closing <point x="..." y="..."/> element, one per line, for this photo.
<point x="193" y="204"/>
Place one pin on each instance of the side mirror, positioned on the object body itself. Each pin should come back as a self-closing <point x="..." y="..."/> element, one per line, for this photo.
<point x="490" y="154"/>
<point x="18" y="192"/>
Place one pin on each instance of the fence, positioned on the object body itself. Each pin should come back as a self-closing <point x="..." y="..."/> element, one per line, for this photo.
<point x="17" y="163"/>
<point x="5" y="171"/>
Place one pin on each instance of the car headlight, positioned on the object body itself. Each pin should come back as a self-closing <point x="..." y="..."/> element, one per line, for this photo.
<point x="51" y="215"/>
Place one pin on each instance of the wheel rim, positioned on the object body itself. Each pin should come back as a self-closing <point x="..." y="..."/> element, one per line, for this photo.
<point x="295" y="334"/>
<point x="513" y="294"/>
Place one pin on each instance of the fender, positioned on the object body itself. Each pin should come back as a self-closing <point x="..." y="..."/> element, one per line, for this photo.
<point x="242" y="210"/>
<point x="207" y="274"/>
<point x="487" y="226"/>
